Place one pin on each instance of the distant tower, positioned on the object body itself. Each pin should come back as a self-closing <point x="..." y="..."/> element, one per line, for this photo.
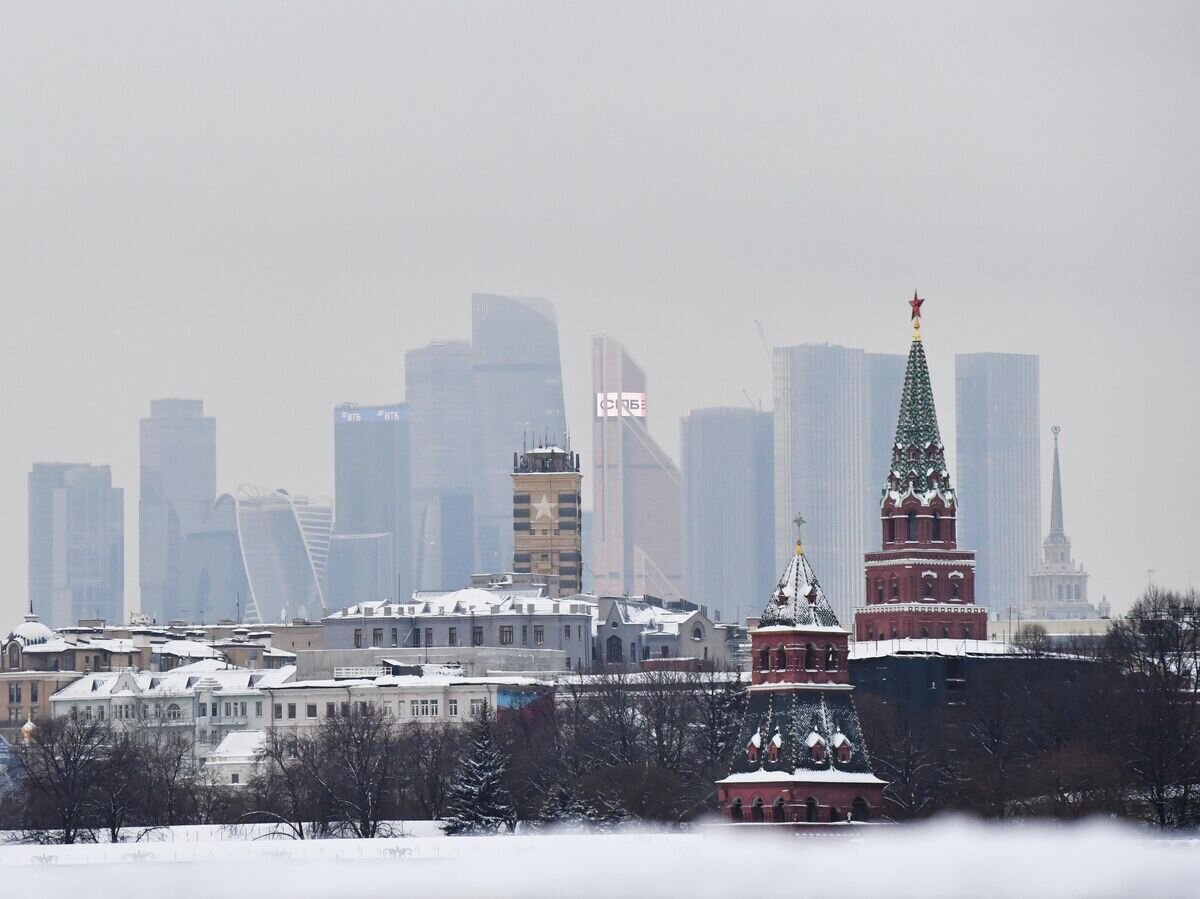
<point x="1059" y="587"/>
<point x="76" y="544"/>
<point x="998" y="449"/>
<point x="637" y="490"/>
<point x="178" y="475"/>
<point x="728" y="501"/>
<point x="801" y="759"/>
<point x="547" y="530"/>
<point x="920" y="584"/>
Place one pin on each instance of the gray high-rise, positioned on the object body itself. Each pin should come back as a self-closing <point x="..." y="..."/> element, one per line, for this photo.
<point x="439" y="390"/>
<point x="518" y="393"/>
<point x="76" y="544"/>
<point x="834" y="423"/>
<point x="372" y="493"/>
<point x="999" y="473"/>
<point x="728" y="504"/>
<point x="178" y="485"/>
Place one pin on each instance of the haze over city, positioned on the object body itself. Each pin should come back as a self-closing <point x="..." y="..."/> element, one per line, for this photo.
<point x="265" y="206"/>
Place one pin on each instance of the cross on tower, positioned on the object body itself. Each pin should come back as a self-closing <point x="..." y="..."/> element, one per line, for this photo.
<point x="799" y="522"/>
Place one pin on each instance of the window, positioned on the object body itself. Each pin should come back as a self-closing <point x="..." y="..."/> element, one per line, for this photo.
<point x="911" y="533"/>
<point x="831" y="659"/>
<point x="927" y="588"/>
<point x="756" y="811"/>
<point x="566" y="632"/>
<point x="424" y="708"/>
<point x="810" y="810"/>
<point x="428" y="636"/>
<point x="539" y="635"/>
<point x="235" y="778"/>
<point x="777" y="813"/>
<point x="506" y="635"/>
<point x="344" y="708"/>
<point x="173" y="712"/>
<point x="764" y="658"/>
<point x="100" y="712"/>
<point x="859" y="809"/>
<point x="415" y="708"/>
<point x="14" y="692"/>
<point x="477" y="636"/>
<point x="781" y="658"/>
<point x="810" y="658"/>
<point x="937" y="526"/>
<point x="202" y="711"/>
<point x="377" y="636"/>
<point x="524" y="634"/>
<point x="945" y="633"/>
<point x="579" y="630"/>
<point x="452" y="708"/>
<point x="954" y="589"/>
<point x="452" y="637"/>
<point x="394" y="643"/>
<point x="735" y="810"/>
<point x="243" y="710"/>
<point x="416" y="636"/>
<point x="310" y="710"/>
<point x="358" y="638"/>
<point x="228" y="713"/>
<point x="291" y="710"/>
<point x="433" y="708"/>
<point x="258" y="709"/>
<point x="330" y="710"/>
<point x="33" y="687"/>
<point x="476" y="707"/>
<point x="214" y="710"/>
<point x="891" y="530"/>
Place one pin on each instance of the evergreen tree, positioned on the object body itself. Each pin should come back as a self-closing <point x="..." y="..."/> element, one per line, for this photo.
<point x="478" y="799"/>
<point x="564" y="809"/>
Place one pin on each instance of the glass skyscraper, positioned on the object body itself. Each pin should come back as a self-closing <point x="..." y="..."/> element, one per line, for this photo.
<point x="998" y="448"/>
<point x="518" y="393"/>
<point x="439" y="389"/>
<point x="178" y="484"/>
<point x="637" y="490"/>
<point x="728" y="504"/>
<point x="76" y="544"/>
<point x="372" y="482"/>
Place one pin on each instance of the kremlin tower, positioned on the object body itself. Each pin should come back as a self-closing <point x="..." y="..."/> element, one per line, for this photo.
<point x="920" y="584"/>
<point x="801" y="759"/>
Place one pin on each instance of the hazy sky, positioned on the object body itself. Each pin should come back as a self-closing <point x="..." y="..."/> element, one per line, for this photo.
<point x="264" y="205"/>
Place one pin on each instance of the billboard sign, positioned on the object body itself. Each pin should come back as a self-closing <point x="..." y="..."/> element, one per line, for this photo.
<point x="370" y="414"/>
<point x="620" y="405"/>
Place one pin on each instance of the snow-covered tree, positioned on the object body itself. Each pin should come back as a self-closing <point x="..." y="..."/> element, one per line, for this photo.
<point x="478" y="800"/>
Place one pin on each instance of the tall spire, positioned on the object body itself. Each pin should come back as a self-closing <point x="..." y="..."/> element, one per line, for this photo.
<point x="1056" y="507"/>
<point x="918" y="418"/>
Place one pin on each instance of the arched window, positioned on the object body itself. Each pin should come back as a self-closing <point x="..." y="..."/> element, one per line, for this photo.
<point x="879" y="590"/>
<point x="891" y="530"/>
<point x="613" y="649"/>
<point x="821" y="658"/>
<point x="781" y="658"/>
<point x="756" y="811"/>
<point x="945" y="632"/>
<point x="764" y="658"/>
<point x="859" y="811"/>
<point x="966" y="632"/>
<point x="810" y="810"/>
<point x="810" y="657"/>
<point x="954" y="589"/>
<point x="937" y="526"/>
<point x="927" y="588"/>
<point x="895" y="589"/>
<point x="833" y="813"/>
<point x="911" y="534"/>
<point x="697" y="634"/>
<point x="843" y="752"/>
<point x="173" y="712"/>
<point x="735" y="810"/>
<point x="777" y="813"/>
<point x="831" y="658"/>
<point x="924" y="632"/>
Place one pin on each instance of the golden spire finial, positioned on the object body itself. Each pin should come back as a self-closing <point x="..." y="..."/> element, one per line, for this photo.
<point x="915" y="303"/>
<point x="799" y="522"/>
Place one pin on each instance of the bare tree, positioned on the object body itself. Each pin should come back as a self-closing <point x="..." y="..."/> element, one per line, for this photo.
<point x="59" y="768"/>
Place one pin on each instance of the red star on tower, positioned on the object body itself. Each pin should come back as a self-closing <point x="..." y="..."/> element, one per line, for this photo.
<point x="915" y="303"/>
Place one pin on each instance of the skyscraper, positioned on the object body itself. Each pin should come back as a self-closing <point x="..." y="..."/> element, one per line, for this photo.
<point x="999" y="472"/>
<point x="213" y="585"/>
<point x="637" y="489"/>
<point x="372" y="482"/>
<point x="178" y="484"/>
<point x="728" y="505"/>
<point x="360" y="569"/>
<point x="439" y="390"/>
<point x="547" y="535"/>
<point x="518" y="393"/>
<point x="834" y="423"/>
<point x="285" y="549"/>
<point x="76" y="544"/>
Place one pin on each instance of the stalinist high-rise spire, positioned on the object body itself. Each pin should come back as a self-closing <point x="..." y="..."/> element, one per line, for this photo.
<point x="1059" y="586"/>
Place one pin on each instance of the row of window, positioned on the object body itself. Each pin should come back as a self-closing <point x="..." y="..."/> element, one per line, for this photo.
<point x="925" y="633"/>
<point x="15" y="690"/>
<point x="859" y="811"/>
<point x="506" y="635"/>
<point x="813" y="659"/>
<point x="417" y="708"/>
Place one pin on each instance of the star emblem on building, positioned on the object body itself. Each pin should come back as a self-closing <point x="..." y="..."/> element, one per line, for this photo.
<point x="543" y="508"/>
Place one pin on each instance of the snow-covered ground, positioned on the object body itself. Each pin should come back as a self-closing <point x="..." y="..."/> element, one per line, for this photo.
<point x="948" y="858"/>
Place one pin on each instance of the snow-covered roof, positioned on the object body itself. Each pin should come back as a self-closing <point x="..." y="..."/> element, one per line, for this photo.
<point x="31" y="631"/>
<point x="182" y="681"/>
<point x="237" y="747"/>
<point x="798" y="600"/>
<point x="922" y="646"/>
<point x="429" y="681"/>
<point x="467" y="601"/>
<point x="653" y="619"/>
<point x="803" y="775"/>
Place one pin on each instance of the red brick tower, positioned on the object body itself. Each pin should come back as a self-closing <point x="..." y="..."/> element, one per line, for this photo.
<point x="801" y="759"/>
<point x="920" y="584"/>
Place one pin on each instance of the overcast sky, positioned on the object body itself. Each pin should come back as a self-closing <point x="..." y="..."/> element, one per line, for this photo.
<point x="264" y="205"/>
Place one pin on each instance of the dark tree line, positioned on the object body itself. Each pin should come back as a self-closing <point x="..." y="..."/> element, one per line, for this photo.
<point x="1108" y="727"/>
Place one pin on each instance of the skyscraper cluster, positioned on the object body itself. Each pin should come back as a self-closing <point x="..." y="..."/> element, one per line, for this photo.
<point x="425" y="492"/>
